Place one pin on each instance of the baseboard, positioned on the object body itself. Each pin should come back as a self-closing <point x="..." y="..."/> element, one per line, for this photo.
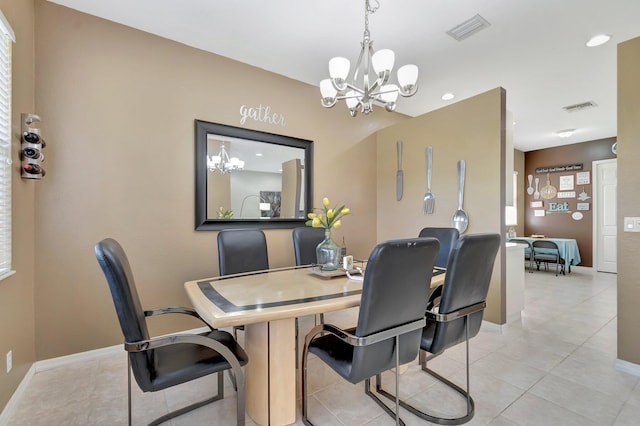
<point x="49" y="364"/>
<point x="15" y="398"/>
<point x="627" y="367"/>
<point x="62" y="361"/>
<point x="491" y="326"/>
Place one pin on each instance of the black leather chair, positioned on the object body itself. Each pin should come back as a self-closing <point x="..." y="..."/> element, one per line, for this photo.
<point x="528" y="251"/>
<point x="551" y="254"/>
<point x="161" y="362"/>
<point x="390" y="322"/>
<point x="305" y="241"/>
<point x="454" y="313"/>
<point x="242" y="250"/>
<point x="239" y="251"/>
<point x="447" y="238"/>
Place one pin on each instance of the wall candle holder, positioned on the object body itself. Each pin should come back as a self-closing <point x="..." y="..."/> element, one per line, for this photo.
<point x="31" y="156"/>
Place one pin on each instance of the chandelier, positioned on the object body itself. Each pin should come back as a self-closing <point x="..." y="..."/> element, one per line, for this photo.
<point x="222" y="164"/>
<point x="374" y="69"/>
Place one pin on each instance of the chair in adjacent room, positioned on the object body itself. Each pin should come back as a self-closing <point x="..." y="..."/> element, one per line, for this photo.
<point x="447" y="238"/>
<point x="528" y="251"/>
<point x="240" y="251"/>
<point x="158" y="363"/>
<point x="390" y="321"/>
<point x="547" y="252"/>
<point x="454" y="314"/>
<point x="305" y="241"/>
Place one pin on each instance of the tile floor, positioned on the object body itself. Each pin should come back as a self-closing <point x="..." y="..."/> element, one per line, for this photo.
<point x="553" y="367"/>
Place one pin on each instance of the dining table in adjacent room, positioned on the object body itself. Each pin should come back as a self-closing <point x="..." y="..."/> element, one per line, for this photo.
<point x="267" y="304"/>
<point x="568" y="248"/>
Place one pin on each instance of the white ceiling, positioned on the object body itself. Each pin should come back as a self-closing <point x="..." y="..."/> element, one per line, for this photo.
<point x="535" y="49"/>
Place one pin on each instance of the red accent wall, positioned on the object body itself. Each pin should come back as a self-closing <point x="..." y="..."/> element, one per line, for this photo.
<point x="561" y="224"/>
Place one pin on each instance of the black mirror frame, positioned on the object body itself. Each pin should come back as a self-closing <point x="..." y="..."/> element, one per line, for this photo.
<point x="203" y="223"/>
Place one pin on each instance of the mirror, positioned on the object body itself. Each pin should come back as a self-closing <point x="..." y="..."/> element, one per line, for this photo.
<point x="247" y="178"/>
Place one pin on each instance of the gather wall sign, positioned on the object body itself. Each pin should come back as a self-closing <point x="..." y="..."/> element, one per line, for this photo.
<point x="262" y="114"/>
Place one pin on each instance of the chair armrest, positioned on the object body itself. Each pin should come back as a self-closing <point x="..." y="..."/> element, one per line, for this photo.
<point x="175" y="310"/>
<point x="195" y="339"/>
<point x="171" y="310"/>
<point x="436" y="316"/>
<point x="364" y="340"/>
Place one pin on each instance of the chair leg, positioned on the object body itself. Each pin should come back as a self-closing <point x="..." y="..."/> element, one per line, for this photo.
<point x="129" y="387"/>
<point x="367" y="390"/>
<point x="303" y="403"/>
<point x="465" y="393"/>
<point x="199" y="404"/>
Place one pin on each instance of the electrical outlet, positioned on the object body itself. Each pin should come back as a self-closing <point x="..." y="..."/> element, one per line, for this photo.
<point x="9" y="361"/>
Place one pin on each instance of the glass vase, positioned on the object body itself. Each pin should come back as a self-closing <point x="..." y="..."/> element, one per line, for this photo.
<point x="328" y="253"/>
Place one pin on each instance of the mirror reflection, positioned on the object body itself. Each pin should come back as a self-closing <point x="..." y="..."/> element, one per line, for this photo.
<point x="250" y="178"/>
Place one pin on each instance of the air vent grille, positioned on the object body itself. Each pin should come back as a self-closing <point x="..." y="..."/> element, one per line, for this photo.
<point x="580" y="106"/>
<point x="468" y="28"/>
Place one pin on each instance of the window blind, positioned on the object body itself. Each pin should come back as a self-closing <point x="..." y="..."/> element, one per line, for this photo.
<point x="7" y="37"/>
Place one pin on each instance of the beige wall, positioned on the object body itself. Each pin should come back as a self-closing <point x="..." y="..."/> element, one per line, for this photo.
<point x="629" y="204"/>
<point x="16" y="292"/>
<point x="119" y="108"/>
<point x="472" y="130"/>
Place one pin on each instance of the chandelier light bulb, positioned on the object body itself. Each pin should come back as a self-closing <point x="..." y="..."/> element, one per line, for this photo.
<point x="408" y="78"/>
<point x="382" y="62"/>
<point x="328" y="92"/>
<point x="389" y="93"/>
<point x="339" y="69"/>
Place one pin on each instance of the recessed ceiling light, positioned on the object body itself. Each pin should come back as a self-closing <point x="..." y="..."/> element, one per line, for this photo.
<point x="598" y="40"/>
<point x="448" y="96"/>
<point x="566" y="133"/>
<point x="259" y="154"/>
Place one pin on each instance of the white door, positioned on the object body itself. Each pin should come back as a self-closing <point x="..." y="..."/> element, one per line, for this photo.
<point x="605" y="184"/>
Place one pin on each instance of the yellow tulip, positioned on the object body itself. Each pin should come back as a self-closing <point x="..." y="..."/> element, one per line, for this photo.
<point x="325" y="201"/>
<point x="345" y="210"/>
<point x="311" y="215"/>
<point x="337" y="224"/>
<point x="330" y="213"/>
<point x="316" y="222"/>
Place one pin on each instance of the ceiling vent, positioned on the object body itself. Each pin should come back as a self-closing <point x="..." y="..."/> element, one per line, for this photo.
<point x="468" y="28"/>
<point x="580" y="106"/>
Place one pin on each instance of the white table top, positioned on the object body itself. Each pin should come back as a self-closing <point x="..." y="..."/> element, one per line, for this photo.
<point x="275" y="294"/>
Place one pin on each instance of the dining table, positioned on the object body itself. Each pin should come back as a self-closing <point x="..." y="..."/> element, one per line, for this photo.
<point x="267" y="304"/>
<point x="568" y="248"/>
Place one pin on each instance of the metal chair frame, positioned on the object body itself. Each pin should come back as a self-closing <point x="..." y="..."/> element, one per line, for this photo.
<point x="353" y="340"/>
<point x="236" y="375"/>
<point x="423" y="358"/>
<point x="548" y="257"/>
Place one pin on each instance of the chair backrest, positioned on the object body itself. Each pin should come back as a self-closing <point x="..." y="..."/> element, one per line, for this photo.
<point x="544" y="244"/>
<point x="447" y="238"/>
<point x="305" y="241"/>
<point x="242" y="250"/>
<point x="466" y="283"/>
<point x="116" y="268"/>
<point x="528" y="249"/>
<point x="394" y="292"/>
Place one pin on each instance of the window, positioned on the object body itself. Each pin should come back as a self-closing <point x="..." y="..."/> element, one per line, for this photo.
<point x="7" y="37"/>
